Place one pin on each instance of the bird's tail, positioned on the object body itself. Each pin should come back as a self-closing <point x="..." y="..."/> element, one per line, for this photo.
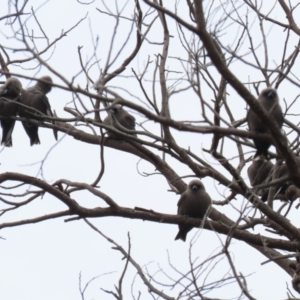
<point x="180" y="236"/>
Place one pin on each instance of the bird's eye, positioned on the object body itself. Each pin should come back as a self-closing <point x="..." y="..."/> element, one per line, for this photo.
<point x="270" y="94"/>
<point x="195" y="187"/>
<point x="114" y="110"/>
<point x="4" y="92"/>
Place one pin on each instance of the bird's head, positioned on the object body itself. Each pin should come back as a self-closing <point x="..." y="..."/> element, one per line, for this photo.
<point x="45" y="83"/>
<point x="196" y="185"/>
<point x="270" y="93"/>
<point x="12" y="86"/>
<point x="114" y="110"/>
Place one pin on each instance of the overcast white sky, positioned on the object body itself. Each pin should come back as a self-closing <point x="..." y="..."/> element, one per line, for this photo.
<point x="43" y="261"/>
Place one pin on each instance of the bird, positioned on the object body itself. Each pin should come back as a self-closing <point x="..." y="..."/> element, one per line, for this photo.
<point x="284" y="190"/>
<point x="259" y="170"/>
<point x="119" y="117"/>
<point x="268" y="98"/>
<point x="35" y="97"/>
<point x="10" y="93"/>
<point x="194" y="202"/>
<point x="279" y="188"/>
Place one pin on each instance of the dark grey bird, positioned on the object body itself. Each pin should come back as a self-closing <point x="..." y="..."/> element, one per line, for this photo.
<point x="194" y="202"/>
<point x="268" y="98"/>
<point x="9" y="94"/>
<point x="118" y="118"/>
<point x="260" y="171"/>
<point x="35" y="97"/>
<point x="282" y="190"/>
<point x="279" y="188"/>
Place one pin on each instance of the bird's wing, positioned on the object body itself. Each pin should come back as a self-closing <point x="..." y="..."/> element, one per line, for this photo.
<point x="48" y="107"/>
<point x="181" y="199"/>
<point x="39" y="101"/>
<point x="53" y="122"/>
<point x="49" y="113"/>
<point x="130" y="121"/>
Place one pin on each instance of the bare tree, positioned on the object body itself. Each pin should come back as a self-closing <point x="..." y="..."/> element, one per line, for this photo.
<point x="215" y="56"/>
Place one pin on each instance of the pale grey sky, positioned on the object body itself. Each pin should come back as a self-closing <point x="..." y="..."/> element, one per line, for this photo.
<point x="43" y="260"/>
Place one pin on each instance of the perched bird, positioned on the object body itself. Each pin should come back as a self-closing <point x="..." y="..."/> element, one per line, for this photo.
<point x="268" y="98"/>
<point x="35" y="97"/>
<point x="284" y="190"/>
<point x="9" y="94"/>
<point x="118" y="118"/>
<point x="259" y="170"/>
<point x="279" y="188"/>
<point x="194" y="202"/>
